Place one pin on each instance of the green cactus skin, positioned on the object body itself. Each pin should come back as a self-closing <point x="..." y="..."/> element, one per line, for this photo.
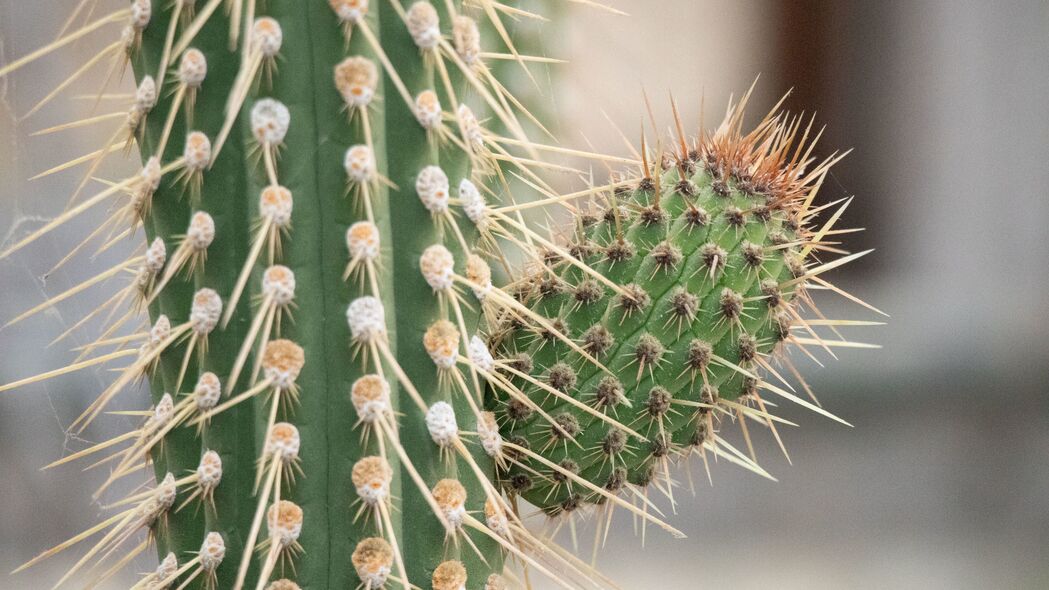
<point x="582" y="374"/>
<point x="661" y="349"/>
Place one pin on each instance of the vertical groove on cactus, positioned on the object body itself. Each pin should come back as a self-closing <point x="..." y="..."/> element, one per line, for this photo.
<point x="344" y="392"/>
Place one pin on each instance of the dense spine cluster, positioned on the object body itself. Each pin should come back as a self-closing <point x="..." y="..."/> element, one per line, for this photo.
<point x="363" y="357"/>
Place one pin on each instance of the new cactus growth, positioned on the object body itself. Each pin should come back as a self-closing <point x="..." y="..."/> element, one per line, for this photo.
<point x="362" y="356"/>
<point x="674" y="297"/>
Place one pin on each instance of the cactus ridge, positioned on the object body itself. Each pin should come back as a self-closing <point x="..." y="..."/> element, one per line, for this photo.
<point x="363" y="355"/>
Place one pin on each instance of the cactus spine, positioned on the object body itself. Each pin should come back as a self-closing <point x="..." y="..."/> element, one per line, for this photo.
<point x="356" y="401"/>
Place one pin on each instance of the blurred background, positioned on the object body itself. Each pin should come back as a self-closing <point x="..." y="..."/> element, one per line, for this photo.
<point x="944" y="480"/>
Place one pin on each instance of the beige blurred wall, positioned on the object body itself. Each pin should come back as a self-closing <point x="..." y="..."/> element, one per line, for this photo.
<point x="691" y="48"/>
<point x="41" y="509"/>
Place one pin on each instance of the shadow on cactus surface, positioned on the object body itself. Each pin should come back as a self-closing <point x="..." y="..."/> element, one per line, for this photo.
<point x="369" y="365"/>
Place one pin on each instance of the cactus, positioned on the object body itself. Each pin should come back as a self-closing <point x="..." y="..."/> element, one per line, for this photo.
<point x="364" y="373"/>
<point x="689" y="281"/>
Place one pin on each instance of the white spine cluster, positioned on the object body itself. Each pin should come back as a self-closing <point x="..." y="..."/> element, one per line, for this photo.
<point x="209" y="471"/>
<point x="349" y="11"/>
<point x="150" y="174"/>
<point x="159" y="332"/>
<point x="146" y="95"/>
<point x="201" y="231"/>
<point x="496" y="519"/>
<point x="356" y="79"/>
<point x="283" y="442"/>
<point x="441" y="423"/>
<point x="467" y="39"/>
<point x="162" y="414"/>
<point x="207" y="392"/>
<point x="156" y="256"/>
<point x="488" y="433"/>
<point x="192" y="68"/>
<point x="428" y="110"/>
<point x="480" y="355"/>
<point x="212" y="552"/>
<point x="152" y="262"/>
<point x="282" y="361"/>
<point x="197" y="151"/>
<point x="205" y="312"/>
<point x="284" y="521"/>
<point x="366" y="317"/>
<point x="267" y="36"/>
<point x="437" y="266"/>
<point x="473" y="204"/>
<point x="276" y="204"/>
<point x="159" y="502"/>
<point x="373" y="559"/>
<point x="480" y="274"/>
<point x="372" y="477"/>
<point x="278" y="283"/>
<point x="471" y="128"/>
<point x="165" y="492"/>
<point x="450" y="496"/>
<point x="165" y="571"/>
<point x="424" y="25"/>
<point x="432" y="187"/>
<point x="141" y="13"/>
<point x="270" y="120"/>
<point x="441" y="342"/>
<point x="362" y="240"/>
<point x="359" y="163"/>
<point x="370" y="396"/>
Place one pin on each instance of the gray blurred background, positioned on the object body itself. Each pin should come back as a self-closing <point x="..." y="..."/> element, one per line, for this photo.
<point x="943" y="482"/>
